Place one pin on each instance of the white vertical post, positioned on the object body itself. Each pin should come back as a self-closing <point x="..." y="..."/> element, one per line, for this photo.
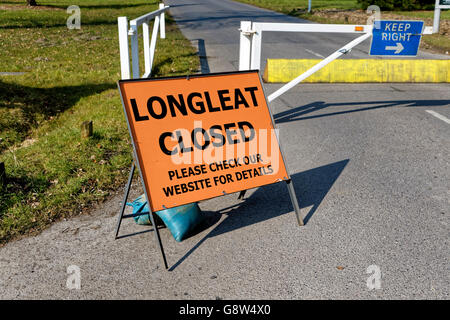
<point x="309" y="5"/>
<point x="135" y="51"/>
<point x="255" y="62"/>
<point x="150" y="49"/>
<point x="437" y="17"/>
<point x="153" y="42"/>
<point x="162" y="19"/>
<point x="123" y="47"/>
<point x="245" y="45"/>
<point x="146" y="43"/>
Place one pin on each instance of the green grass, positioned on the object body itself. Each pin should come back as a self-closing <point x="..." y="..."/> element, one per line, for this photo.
<point x="445" y="14"/>
<point x="287" y="6"/>
<point x="70" y="76"/>
<point x="438" y="42"/>
<point x="298" y="8"/>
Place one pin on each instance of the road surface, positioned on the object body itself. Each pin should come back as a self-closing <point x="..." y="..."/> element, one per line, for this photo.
<point x="369" y="162"/>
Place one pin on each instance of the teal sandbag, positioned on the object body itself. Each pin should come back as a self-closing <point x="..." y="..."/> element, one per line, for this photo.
<point x="140" y="210"/>
<point x="180" y="220"/>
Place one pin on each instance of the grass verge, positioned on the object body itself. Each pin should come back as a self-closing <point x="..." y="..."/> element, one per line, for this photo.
<point x="69" y="77"/>
<point x="348" y="11"/>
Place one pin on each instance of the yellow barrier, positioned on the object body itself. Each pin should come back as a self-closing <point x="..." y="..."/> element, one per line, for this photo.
<point x="360" y="70"/>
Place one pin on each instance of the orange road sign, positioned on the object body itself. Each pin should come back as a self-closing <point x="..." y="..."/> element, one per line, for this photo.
<point x="201" y="136"/>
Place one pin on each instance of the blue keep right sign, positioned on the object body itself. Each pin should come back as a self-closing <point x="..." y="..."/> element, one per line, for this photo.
<point x="396" y="38"/>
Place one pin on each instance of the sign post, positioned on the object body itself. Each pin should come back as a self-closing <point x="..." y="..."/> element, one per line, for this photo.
<point x="202" y="136"/>
<point x="440" y="4"/>
<point x="396" y="38"/>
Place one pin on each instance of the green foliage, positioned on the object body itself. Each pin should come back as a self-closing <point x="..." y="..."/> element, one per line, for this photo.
<point x="399" y="4"/>
<point x="298" y="8"/>
<point x="288" y="6"/>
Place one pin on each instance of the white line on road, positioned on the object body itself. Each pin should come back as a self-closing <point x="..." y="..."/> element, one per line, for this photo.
<point x="314" y="53"/>
<point x="439" y="116"/>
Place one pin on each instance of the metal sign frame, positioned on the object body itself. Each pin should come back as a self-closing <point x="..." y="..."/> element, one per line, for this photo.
<point x="133" y="167"/>
<point x="136" y="163"/>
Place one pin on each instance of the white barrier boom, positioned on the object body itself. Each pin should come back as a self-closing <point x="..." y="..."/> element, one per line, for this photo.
<point x="318" y="66"/>
<point x="251" y="37"/>
<point x="251" y="40"/>
<point x="149" y="43"/>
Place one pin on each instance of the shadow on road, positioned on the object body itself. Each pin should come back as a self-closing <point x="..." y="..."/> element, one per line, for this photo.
<point x="272" y="201"/>
<point x="204" y="65"/>
<point x="299" y="112"/>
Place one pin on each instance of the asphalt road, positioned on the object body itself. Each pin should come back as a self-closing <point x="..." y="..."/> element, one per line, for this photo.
<point x="371" y="170"/>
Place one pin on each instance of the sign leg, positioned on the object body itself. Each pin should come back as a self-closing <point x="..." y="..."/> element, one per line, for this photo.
<point x="155" y="228"/>
<point x="158" y="238"/>
<point x="125" y="198"/>
<point x="294" y="202"/>
<point x="122" y="210"/>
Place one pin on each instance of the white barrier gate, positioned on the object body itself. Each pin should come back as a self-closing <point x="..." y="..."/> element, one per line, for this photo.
<point x="149" y="43"/>
<point x="251" y="40"/>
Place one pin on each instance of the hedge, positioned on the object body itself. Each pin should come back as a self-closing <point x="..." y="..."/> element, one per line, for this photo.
<point x="399" y="4"/>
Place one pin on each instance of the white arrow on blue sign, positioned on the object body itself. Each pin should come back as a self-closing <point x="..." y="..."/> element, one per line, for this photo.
<point x="396" y="38"/>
